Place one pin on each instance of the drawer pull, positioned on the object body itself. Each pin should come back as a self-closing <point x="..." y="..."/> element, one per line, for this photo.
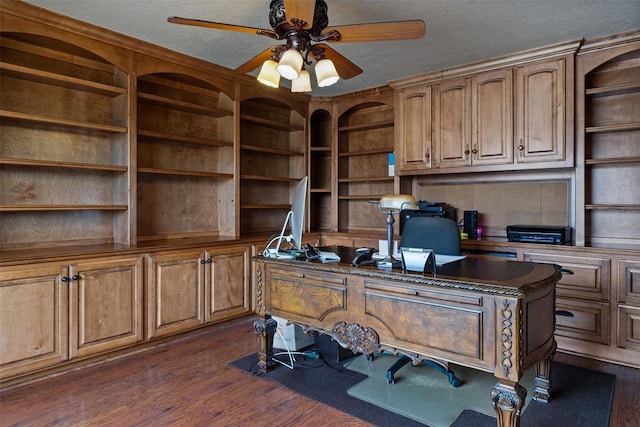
<point x="566" y="271"/>
<point x="564" y="313"/>
<point x="64" y="279"/>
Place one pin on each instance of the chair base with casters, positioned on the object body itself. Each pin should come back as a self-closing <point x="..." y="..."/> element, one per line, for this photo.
<point x="403" y="360"/>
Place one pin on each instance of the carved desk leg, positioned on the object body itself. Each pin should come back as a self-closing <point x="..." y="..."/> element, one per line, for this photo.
<point x="542" y="381"/>
<point x="508" y="400"/>
<point x="265" y="329"/>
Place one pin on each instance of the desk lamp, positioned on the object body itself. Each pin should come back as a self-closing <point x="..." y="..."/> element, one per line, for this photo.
<point x="389" y="205"/>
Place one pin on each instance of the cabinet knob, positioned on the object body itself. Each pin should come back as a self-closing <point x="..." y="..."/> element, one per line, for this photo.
<point x="209" y="260"/>
<point x="75" y="277"/>
<point x="203" y="261"/>
<point x="64" y="279"/>
<point x="474" y="151"/>
<point x="466" y="152"/>
<point x="427" y="155"/>
<point x="521" y="146"/>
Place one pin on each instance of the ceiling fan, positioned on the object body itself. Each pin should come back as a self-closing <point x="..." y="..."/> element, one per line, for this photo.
<point x="303" y="25"/>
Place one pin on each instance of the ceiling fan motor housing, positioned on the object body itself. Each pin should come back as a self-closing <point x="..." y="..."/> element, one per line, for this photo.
<point x="283" y="26"/>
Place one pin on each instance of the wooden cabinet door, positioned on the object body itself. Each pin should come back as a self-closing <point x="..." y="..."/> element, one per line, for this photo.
<point x="228" y="283"/>
<point x="105" y="305"/>
<point x="452" y="123"/>
<point x="33" y="318"/>
<point x="175" y="287"/>
<point x="413" y="129"/>
<point x="541" y="111"/>
<point x="492" y="118"/>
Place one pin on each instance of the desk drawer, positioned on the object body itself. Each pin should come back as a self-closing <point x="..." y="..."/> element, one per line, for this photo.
<point x="583" y="319"/>
<point x="582" y="277"/>
<point x="629" y="282"/>
<point x="451" y="322"/>
<point x="303" y="293"/>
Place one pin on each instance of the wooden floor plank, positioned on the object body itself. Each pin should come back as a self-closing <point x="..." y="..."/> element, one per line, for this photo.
<point x="187" y="381"/>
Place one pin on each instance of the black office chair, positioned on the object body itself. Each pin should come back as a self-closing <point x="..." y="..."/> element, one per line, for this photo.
<point x="443" y="237"/>
<point x="440" y="234"/>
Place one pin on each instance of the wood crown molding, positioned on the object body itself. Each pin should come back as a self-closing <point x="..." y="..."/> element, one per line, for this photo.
<point x="512" y="60"/>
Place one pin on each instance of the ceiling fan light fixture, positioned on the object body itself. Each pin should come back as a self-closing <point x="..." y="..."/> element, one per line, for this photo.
<point x="290" y="64"/>
<point x="269" y="74"/>
<point x="302" y="83"/>
<point x="326" y="73"/>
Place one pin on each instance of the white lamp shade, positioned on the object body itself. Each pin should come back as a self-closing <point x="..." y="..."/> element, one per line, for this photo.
<point x="326" y="73"/>
<point x="397" y="202"/>
<point x="290" y="64"/>
<point x="269" y="74"/>
<point x="302" y="83"/>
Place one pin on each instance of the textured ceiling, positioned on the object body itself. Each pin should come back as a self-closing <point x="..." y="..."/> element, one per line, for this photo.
<point x="458" y="31"/>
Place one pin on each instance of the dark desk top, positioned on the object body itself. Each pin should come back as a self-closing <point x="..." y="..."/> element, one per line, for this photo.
<point x="501" y="276"/>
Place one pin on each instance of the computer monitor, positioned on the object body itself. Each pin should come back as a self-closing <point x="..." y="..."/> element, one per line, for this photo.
<point x="295" y="221"/>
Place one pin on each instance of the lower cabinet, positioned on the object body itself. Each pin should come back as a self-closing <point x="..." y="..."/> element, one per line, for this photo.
<point x="54" y="312"/>
<point x="597" y="302"/>
<point x="188" y="288"/>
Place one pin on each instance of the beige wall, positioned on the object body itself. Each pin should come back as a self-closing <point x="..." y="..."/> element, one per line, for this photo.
<point x="505" y="203"/>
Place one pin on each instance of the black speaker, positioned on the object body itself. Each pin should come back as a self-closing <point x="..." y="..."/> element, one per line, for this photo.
<point x="471" y="224"/>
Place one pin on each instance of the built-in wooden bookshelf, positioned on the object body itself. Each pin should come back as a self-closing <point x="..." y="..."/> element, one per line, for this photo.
<point x="610" y="174"/>
<point x="365" y="140"/>
<point x="64" y="156"/>
<point x="184" y="157"/>
<point x="320" y="171"/>
<point x="272" y="160"/>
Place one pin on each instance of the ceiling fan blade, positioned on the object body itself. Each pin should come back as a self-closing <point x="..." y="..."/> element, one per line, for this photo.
<point x="345" y="68"/>
<point x="256" y="61"/>
<point x="398" y="30"/>
<point x="302" y="10"/>
<point x="219" y="26"/>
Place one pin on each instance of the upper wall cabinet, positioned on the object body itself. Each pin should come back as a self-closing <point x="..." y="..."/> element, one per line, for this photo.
<point x="473" y="120"/>
<point x="185" y="158"/>
<point x="544" y="109"/>
<point x="64" y="155"/>
<point x="511" y="113"/>
<point x="608" y="134"/>
<point x="413" y="129"/>
<point x="272" y="161"/>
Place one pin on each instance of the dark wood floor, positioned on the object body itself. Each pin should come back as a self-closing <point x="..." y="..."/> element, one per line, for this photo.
<point x="187" y="382"/>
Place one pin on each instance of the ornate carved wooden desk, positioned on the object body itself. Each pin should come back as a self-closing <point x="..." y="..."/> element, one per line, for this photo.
<point x="492" y="315"/>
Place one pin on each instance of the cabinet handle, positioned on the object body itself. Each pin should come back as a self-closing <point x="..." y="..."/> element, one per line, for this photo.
<point x="209" y="260"/>
<point x="564" y="313"/>
<point x="203" y="261"/>
<point x="466" y="151"/>
<point x="474" y="151"/>
<point x="427" y="155"/>
<point x="520" y="146"/>
<point x="566" y="271"/>
<point x="64" y="279"/>
<point x="75" y="277"/>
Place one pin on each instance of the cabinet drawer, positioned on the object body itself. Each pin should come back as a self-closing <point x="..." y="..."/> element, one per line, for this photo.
<point x="582" y="277"/>
<point x="629" y="282"/>
<point x="629" y="327"/>
<point x="583" y="319"/>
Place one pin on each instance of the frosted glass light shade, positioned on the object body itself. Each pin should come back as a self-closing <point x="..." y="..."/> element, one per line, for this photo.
<point x="290" y="64"/>
<point x="326" y="73"/>
<point x="269" y="74"/>
<point x="302" y="83"/>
